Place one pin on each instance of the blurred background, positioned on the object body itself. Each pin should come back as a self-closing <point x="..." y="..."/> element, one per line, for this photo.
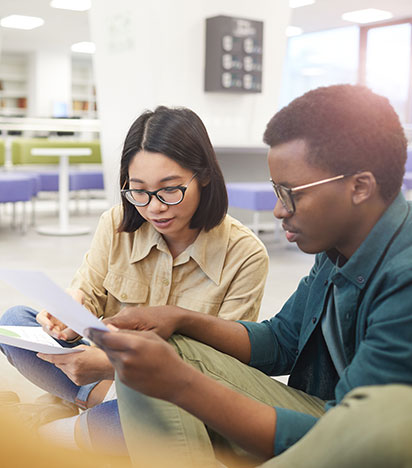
<point x="74" y="74"/>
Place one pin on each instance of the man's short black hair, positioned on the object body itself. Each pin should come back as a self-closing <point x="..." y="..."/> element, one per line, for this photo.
<point x="347" y="129"/>
<point x="179" y="134"/>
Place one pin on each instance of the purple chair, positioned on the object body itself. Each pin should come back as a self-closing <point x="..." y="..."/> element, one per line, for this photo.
<point x="78" y="180"/>
<point x="48" y="181"/>
<point x="407" y="180"/>
<point x="86" y="180"/>
<point x="18" y="187"/>
<point x="254" y="196"/>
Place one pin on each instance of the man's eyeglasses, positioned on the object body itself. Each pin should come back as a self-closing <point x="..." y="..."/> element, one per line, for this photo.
<point x="167" y="195"/>
<point x="285" y="194"/>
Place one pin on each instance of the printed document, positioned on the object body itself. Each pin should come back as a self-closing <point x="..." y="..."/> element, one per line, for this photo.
<point x="33" y="339"/>
<point x="40" y="288"/>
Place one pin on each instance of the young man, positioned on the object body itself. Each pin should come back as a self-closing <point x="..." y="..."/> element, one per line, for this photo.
<point x="336" y="160"/>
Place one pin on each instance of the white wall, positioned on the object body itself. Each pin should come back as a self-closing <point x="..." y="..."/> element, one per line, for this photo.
<point x="152" y="53"/>
<point x="49" y="81"/>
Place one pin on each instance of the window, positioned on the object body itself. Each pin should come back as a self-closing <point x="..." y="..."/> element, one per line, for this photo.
<point x="385" y="64"/>
<point x="320" y="59"/>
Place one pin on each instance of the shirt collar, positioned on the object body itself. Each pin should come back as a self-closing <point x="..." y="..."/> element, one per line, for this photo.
<point x="362" y="263"/>
<point x="208" y="250"/>
<point x="148" y="238"/>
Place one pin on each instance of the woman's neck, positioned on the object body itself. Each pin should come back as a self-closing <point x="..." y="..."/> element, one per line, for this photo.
<point x="178" y="245"/>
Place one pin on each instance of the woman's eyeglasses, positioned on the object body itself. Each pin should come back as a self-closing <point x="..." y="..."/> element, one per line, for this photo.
<point x="167" y="195"/>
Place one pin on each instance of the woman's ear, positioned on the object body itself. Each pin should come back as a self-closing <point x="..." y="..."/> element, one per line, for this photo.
<point x="364" y="187"/>
<point x="203" y="182"/>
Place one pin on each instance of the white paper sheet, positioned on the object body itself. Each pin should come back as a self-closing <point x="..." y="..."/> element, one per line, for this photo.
<point x="33" y="339"/>
<point x="51" y="297"/>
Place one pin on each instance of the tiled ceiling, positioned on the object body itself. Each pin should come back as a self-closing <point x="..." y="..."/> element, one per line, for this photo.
<point x="62" y="28"/>
<point x="326" y="14"/>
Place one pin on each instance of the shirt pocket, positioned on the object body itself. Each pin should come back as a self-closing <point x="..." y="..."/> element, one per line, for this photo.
<point x="126" y="290"/>
<point x="204" y="306"/>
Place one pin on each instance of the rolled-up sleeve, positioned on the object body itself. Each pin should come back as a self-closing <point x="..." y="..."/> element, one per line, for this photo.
<point x="290" y="427"/>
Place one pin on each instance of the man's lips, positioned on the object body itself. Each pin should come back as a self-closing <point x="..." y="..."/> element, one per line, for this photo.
<point x="291" y="234"/>
<point x="289" y="228"/>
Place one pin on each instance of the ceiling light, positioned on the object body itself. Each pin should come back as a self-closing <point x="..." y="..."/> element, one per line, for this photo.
<point x="300" y="3"/>
<point x="84" y="47"/>
<point x="21" y="22"/>
<point x="293" y="31"/>
<point x="369" y="15"/>
<point x="76" y="5"/>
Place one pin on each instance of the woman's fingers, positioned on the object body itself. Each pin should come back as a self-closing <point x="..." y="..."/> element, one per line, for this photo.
<point x="55" y="327"/>
<point x="77" y="295"/>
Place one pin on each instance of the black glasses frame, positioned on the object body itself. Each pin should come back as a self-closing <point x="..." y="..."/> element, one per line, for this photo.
<point x="127" y="193"/>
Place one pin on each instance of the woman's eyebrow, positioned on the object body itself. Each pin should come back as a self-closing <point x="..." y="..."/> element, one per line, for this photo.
<point x="165" y="179"/>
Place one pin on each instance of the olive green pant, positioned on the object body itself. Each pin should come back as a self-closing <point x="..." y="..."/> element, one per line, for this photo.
<point x="371" y="428"/>
<point x="154" y="425"/>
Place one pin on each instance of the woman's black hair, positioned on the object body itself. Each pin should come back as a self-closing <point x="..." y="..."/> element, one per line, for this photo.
<point x="179" y="134"/>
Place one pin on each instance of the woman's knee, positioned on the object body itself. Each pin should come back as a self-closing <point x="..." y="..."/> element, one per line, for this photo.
<point x="20" y="316"/>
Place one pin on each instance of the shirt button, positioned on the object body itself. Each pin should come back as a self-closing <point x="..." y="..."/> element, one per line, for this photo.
<point x="360" y="279"/>
<point x="325" y="283"/>
<point x="313" y="319"/>
<point x="165" y="281"/>
<point x="297" y="352"/>
<point x="123" y="296"/>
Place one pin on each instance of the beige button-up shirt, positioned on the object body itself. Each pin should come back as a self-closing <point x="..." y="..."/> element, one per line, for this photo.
<point x="222" y="273"/>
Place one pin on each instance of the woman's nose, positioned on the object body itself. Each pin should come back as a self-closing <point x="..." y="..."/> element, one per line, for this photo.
<point x="155" y="205"/>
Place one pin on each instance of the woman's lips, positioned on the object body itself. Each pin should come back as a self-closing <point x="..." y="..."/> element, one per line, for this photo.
<point x="162" y="223"/>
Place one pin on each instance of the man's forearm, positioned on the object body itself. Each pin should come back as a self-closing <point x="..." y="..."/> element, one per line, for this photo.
<point x="245" y="421"/>
<point x="229" y="337"/>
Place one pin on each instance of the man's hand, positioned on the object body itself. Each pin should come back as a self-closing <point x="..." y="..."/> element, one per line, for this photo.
<point x="144" y="362"/>
<point x="83" y="368"/>
<point x="150" y="365"/>
<point x="55" y="327"/>
<point x="224" y="335"/>
<point x="163" y="320"/>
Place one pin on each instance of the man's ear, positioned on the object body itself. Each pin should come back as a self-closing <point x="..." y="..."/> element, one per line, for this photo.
<point x="364" y="187"/>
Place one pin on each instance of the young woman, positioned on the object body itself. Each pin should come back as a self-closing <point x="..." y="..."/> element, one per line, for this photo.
<point x="169" y="244"/>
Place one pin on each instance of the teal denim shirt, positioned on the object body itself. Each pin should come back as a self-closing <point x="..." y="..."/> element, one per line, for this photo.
<point x="374" y="294"/>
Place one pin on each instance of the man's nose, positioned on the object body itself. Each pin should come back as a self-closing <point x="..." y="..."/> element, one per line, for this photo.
<point x="280" y="212"/>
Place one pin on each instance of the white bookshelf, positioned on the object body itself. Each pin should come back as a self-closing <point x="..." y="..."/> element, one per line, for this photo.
<point x="83" y="89"/>
<point x="13" y="84"/>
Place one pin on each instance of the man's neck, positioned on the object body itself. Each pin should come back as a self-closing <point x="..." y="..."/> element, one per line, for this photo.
<point x="367" y="215"/>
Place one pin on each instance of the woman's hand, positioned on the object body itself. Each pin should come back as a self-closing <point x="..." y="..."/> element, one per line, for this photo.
<point x="55" y="327"/>
<point x="144" y="362"/>
<point x="163" y="320"/>
<point x="83" y="368"/>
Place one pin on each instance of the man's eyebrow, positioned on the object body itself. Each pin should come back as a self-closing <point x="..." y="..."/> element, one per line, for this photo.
<point x="165" y="179"/>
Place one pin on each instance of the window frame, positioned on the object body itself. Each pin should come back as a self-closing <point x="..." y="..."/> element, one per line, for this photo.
<point x="363" y="45"/>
